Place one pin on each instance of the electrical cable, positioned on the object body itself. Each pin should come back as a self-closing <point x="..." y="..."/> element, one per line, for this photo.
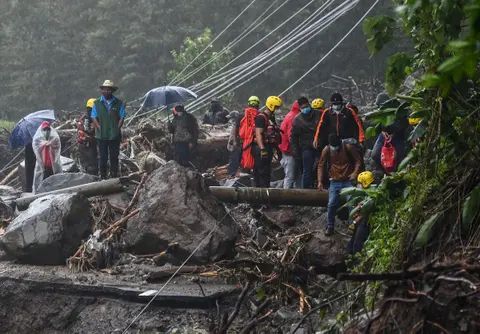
<point x="213" y="41"/>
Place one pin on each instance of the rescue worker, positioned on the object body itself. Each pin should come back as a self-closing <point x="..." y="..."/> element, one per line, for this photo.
<point x="184" y="130"/>
<point x="267" y="138"/>
<point x="341" y="120"/>
<point x="303" y="130"/>
<point x="108" y="115"/>
<point x="246" y="132"/>
<point x="290" y="168"/>
<point x="87" y="146"/>
<point x="47" y="147"/>
<point x="216" y="114"/>
<point x="343" y="163"/>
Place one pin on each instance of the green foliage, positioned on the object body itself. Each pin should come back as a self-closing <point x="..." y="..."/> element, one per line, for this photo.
<point x="398" y="67"/>
<point x="7" y="125"/>
<point x="442" y="167"/>
<point x="379" y="31"/>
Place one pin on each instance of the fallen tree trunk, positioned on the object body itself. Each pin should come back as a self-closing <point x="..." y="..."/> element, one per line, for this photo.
<point x="89" y="190"/>
<point x="273" y="196"/>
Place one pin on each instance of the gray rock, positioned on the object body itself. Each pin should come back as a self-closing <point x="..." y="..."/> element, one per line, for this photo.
<point x="177" y="212"/>
<point x="61" y="181"/>
<point x="325" y="253"/>
<point x="6" y="191"/>
<point x="50" y="230"/>
<point x="283" y="217"/>
<point x="6" y="212"/>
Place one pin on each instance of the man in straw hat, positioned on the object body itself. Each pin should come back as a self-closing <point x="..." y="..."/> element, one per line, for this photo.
<point x="108" y="114"/>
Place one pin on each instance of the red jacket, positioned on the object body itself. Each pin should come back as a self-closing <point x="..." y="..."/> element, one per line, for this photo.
<point x="286" y="128"/>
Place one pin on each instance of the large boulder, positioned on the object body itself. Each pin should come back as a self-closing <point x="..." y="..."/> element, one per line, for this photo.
<point x="65" y="180"/>
<point x="176" y="213"/>
<point x="50" y="230"/>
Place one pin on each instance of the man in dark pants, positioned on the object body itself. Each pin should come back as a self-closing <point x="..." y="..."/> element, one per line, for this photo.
<point x="184" y="130"/>
<point x="108" y="114"/>
<point x="301" y="139"/>
<point x="267" y="137"/>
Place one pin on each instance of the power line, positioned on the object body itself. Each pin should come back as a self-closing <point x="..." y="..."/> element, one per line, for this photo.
<point x="213" y="41"/>
<point x="236" y="40"/>
<point x="332" y="49"/>
<point x="320" y="26"/>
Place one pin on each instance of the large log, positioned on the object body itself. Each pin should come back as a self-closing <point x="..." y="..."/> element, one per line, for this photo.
<point x="273" y="196"/>
<point x="105" y="187"/>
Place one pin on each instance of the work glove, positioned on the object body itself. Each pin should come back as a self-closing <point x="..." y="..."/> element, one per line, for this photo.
<point x="264" y="153"/>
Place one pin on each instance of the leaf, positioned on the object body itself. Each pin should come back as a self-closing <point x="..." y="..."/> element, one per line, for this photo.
<point x="451" y="64"/>
<point x="471" y="208"/>
<point x="379" y="31"/>
<point x="396" y="71"/>
<point x="426" y="231"/>
<point x="371" y="132"/>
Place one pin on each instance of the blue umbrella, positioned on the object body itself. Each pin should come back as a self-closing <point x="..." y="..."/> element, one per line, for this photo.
<point x="25" y="129"/>
<point x="167" y="95"/>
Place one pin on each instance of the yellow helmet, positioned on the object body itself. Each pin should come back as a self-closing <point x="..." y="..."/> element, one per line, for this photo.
<point x="365" y="178"/>
<point x="273" y="102"/>
<point x="414" y="121"/>
<point x="253" y="101"/>
<point x="90" y="103"/>
<point x="318" y="103"/>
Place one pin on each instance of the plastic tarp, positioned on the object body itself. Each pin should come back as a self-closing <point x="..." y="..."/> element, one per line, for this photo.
<point x="47" y="151"/>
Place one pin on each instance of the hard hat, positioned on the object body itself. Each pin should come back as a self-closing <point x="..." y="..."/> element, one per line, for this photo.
<point x="90" y="103"/>
<point x="253" y="101"/>
<point x="109" y="84"/>
<point x="318" y="103"/>
<point x="365" y="178"/>
<point x="273" y="102"/>
<point x="45" y="125"/>
<point x="336" y="98"/>
<point x="414" y="121"/>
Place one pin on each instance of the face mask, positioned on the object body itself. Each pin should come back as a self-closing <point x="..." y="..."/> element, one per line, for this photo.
<point x="306" y="110"/>
<point x="337" y="108"/>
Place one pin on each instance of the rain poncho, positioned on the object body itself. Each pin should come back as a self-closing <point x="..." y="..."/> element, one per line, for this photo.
<point x="47" y="151"/>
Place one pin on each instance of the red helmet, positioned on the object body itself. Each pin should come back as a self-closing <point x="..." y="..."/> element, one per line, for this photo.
<point x="45" y="125"/>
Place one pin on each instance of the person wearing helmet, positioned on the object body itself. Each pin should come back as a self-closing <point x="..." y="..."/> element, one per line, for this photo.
<point x="360" y="226"/>
<point x="301" y="139"/>
<point x="185" y="131"/>
<point x="87" y="146"/>
<point x="341" y="119"/>
<point x="108" y="115"/>
<point x="246" y="132"/>
<point x="267" y="138"/>
<point x="290" y="167"/>
<point x="343" y="162"/>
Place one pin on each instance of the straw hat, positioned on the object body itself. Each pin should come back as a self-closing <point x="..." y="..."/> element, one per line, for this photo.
<point x="109" y="84"/>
